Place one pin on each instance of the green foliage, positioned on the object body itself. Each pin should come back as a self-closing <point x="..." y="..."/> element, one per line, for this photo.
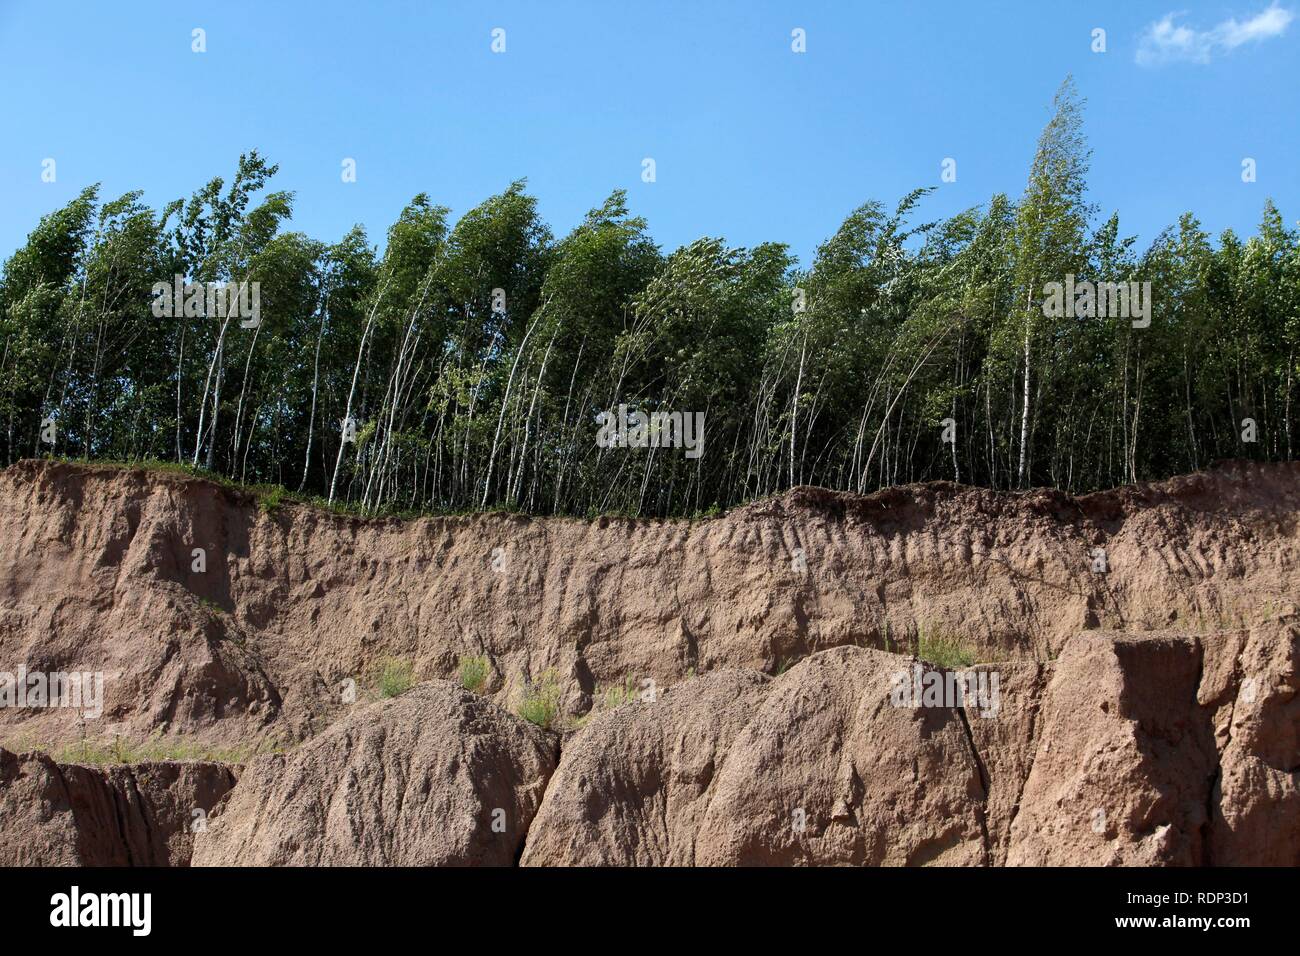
<point x="611" y="698"/>
<point x="472" y="356"/>
<point x="269" y="501"/>
<point x="393" y="676"/>
<point x="620" y="694"/>
<point x="541" y="703"/>
<point x="942" y="648"/>
<point x="474" y="673"/>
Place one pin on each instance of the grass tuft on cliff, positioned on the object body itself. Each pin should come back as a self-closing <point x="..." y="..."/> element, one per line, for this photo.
<point x="393" y="676"/>
<point x="942" y="648"/>
<point x="541" y="703"/>
<point x="473" y="672"/>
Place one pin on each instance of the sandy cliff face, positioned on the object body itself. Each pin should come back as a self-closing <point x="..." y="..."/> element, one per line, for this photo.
<point x="1144" y="639"/>
<point x="141" y="815"/>
<point x="1119" y="753"/>
<point x="96" y="572"/>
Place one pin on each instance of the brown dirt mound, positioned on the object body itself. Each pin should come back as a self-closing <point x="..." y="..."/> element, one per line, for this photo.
<point x="436" y="777"/>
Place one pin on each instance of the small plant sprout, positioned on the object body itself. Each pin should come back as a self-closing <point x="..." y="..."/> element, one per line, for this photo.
<point x="394" y="676"/>
<point x="941" y="648"/>
<point x="473" y="673"/>
<point x="541" y="703"/>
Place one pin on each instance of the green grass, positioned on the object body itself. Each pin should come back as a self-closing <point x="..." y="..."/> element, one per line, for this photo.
<point x="611" y="699"/>
<point x="621" y="694"/>
<point x="714" y="510"/>
<point x="474" y="673"/>
<point x="270" y="500"/>
<point x="270" y="497"/>
<point x="393" y="676"/>
<point x="783" y="664"/>
<point x="942" y="648"/>
<point x="581" y="721"/>
<point x="157" y="465"/>
<point x="541" y="703"/>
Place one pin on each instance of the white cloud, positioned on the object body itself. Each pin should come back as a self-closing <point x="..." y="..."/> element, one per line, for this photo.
<point x="1166" y="41"/>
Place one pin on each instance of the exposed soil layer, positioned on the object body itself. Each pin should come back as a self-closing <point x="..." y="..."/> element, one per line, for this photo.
<point x="1144" y="641"/>
<point x="142" y="815"/>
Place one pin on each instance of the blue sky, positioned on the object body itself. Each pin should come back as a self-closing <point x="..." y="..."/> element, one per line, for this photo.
<point x="751" y="141"/>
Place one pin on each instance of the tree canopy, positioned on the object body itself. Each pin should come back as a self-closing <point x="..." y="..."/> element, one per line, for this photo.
<point x="463" y="366"/>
